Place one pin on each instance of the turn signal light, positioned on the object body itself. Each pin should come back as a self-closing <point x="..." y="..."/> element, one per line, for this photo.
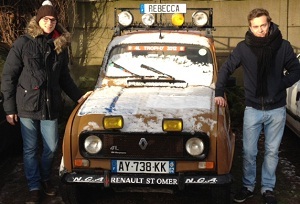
<point x="81" y="163"/>
<point x="205" y="165"/>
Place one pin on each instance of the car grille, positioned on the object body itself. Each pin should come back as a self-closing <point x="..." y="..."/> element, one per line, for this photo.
<point x="141" y="145"/>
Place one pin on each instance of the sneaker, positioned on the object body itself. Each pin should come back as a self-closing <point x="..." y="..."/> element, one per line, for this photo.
<point x="48" y="188"/>
<point x="242" y="195"/>
<point x="269" y="197"/>
<point x="34" y="197"/>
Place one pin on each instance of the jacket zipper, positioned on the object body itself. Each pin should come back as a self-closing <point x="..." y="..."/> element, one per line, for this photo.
<point x="262" y="103"/>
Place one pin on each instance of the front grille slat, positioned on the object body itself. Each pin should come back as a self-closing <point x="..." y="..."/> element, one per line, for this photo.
<point x="157" y="146"/>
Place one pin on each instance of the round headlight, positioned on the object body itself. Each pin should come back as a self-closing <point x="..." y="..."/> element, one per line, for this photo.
<point x="194" y="146"/>
<point x="177" y="19"/>
<point x="125" y="18"/>
<point x="92" y="144"/>
<point x="200" y="18"/>
<point x="148" y="19"/>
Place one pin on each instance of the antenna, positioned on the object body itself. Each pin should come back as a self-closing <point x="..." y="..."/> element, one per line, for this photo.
<point x="160" y="23"/>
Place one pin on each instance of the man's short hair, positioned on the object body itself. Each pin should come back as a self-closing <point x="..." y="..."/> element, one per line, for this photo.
<point x="258" y="12"/>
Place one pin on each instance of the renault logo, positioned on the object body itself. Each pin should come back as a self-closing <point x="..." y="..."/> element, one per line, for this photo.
<point x="143" y="143"/>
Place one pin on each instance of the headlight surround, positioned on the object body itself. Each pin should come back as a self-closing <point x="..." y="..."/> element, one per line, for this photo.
<point x="125" y="18"/>
<point x="148" y="19"/>
<point x="194" y="146"/>
<point x="177" y="19"/>
<point x="92" y="144"/>
<point x="200" y="18"/>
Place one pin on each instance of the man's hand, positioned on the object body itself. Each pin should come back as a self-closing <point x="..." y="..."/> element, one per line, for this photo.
<point x="12" y="119"/>
<point x="220" y="101"/>
<point x="84" y="96"/>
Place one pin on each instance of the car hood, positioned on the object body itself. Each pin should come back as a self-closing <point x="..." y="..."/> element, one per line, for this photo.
<point x="144" y="108"/>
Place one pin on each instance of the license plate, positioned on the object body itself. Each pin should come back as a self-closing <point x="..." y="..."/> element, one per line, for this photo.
<point x="133" y="166"/>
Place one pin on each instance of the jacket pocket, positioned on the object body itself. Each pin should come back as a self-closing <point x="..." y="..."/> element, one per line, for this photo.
<point x="38" y="79"/>
<point x="28" y="100"/>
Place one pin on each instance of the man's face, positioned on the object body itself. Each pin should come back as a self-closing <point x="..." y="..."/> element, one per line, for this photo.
<point x="48" y="24"/>
<point x="260" y="26"/>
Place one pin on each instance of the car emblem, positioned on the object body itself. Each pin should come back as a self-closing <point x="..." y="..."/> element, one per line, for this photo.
<point x="143" y="143"/>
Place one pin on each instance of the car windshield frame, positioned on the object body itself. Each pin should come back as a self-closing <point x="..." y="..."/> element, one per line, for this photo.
<point x="182" y="62"/>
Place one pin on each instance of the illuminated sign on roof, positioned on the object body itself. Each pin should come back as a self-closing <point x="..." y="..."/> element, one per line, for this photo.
<point x="162" y="8"/>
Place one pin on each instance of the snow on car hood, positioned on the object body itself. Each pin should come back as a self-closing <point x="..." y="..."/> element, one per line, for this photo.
<point x="143" y="108"/>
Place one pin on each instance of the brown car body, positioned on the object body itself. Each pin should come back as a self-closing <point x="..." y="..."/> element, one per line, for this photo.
<point x="144" y="106"/>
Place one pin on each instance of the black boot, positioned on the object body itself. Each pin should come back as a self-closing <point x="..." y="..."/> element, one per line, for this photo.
<point x="48" y="188"/>
<point x="34" y="197"/>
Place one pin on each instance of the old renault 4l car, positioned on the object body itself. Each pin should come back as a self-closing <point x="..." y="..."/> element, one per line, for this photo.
<point x="293" y="107"/>
<point x="151" y="120"/>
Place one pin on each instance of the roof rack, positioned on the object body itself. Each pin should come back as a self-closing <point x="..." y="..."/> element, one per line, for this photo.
<point x="163" y="18"/>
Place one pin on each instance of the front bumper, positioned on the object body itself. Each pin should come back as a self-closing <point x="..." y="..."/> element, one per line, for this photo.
<point x="107" y="178"/>
<point x="181" y="180"/>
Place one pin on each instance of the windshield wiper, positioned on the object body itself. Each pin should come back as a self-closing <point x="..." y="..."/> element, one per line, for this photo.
<point x="125" y="70"/>
<point x="157" y="82"/>
<point x="156" y="71"/>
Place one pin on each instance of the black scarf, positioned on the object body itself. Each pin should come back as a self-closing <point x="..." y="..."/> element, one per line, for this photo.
<point x="265" y="49"/>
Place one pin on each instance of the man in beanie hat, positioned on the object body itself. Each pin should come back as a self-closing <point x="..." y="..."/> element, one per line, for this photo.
<point x="34" y="73"/>
<point x="46" y="10"/>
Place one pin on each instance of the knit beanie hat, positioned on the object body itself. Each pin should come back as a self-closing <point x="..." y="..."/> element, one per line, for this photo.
<point x="46" y="10"/>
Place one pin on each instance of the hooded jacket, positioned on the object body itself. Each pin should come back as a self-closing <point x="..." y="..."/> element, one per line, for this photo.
<point x="284" y="72"/>
<point x="35" y="72"/>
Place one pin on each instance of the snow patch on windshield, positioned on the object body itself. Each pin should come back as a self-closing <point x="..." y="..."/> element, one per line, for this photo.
<point x="177" y="67"/>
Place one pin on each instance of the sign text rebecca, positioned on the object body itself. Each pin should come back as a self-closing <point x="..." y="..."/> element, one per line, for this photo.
<point x="163" y="8"/>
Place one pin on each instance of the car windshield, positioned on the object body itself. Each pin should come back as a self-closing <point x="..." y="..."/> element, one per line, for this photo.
<point x="192" y="64"/>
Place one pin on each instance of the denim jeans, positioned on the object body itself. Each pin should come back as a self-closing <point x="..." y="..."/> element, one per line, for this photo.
<point x="272" y="122"/>
<point x="38" y="168"/>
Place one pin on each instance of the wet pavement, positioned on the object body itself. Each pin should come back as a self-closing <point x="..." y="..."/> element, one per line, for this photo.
<point x="14" y="188"/>
<point x="13" y="185"/>
<point x="287" y="190"/>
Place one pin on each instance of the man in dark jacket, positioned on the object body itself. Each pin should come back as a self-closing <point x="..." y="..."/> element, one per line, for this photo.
<point x="35" y="72"/>
<point x="265" y="57"/>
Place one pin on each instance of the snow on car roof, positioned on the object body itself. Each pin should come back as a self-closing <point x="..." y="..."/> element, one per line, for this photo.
<point x="166" y="37"/>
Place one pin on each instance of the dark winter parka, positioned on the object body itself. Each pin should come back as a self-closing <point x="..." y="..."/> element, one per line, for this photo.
<point x="277" y="80"/>
<point x="35" y="72"/>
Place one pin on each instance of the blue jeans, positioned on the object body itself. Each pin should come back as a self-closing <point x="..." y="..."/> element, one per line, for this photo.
<point x="273" y="124"/>
<point x="38" y="169"/>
